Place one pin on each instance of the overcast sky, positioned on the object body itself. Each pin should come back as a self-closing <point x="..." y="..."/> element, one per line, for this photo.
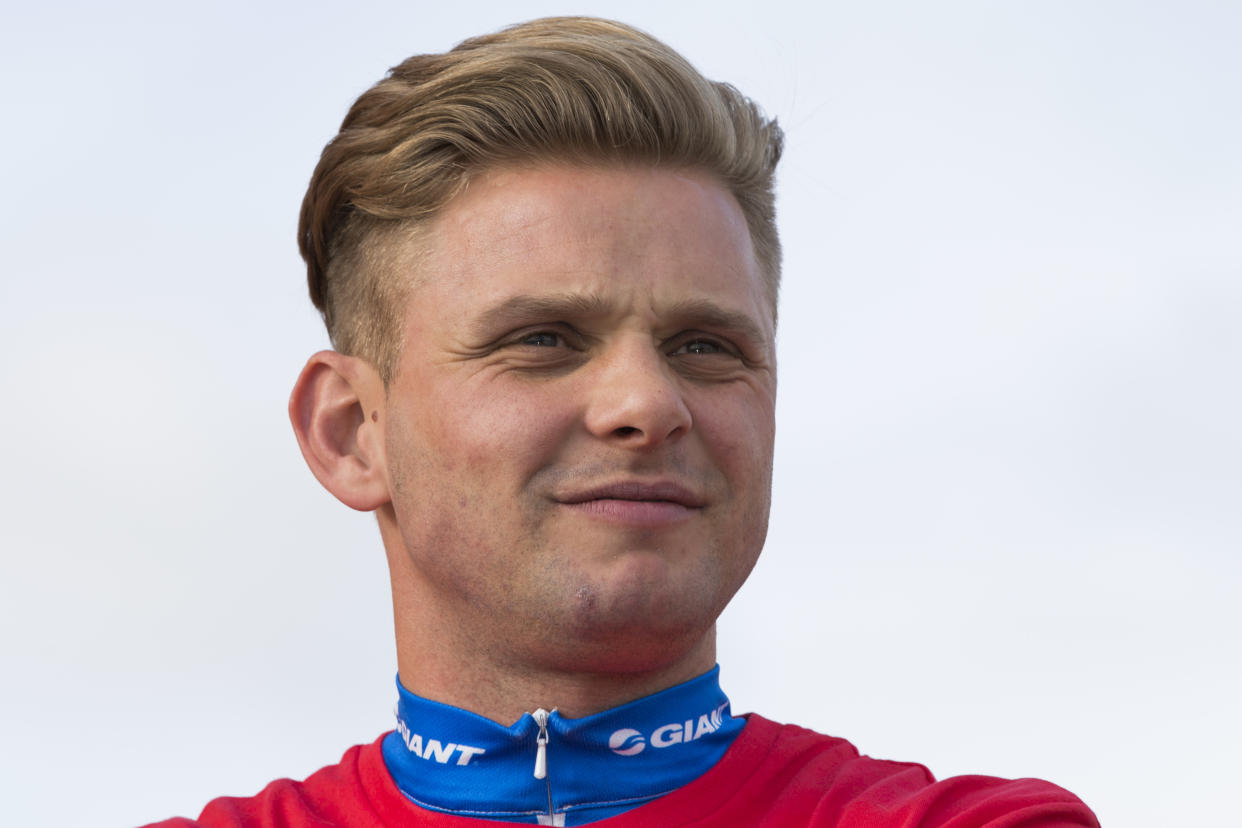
<point x="1007" y="522"/>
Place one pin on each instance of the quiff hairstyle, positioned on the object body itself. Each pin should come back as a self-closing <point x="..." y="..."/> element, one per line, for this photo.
<point x="572" y="89"/>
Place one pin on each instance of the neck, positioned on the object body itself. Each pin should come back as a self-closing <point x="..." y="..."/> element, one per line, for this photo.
<point x="503" y="690"/>
<point x="500" y="671"/>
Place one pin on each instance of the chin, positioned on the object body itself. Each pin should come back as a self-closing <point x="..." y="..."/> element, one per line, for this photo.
<point x="633" y="651"/>
<point x="644" y="616"/>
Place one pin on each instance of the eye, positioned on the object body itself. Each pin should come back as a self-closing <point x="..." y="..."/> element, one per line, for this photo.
<point x="553" y="342"/>
<point x="542" y="339"/>
<point x="700" y="347"/>
<point x="539" y="353"/>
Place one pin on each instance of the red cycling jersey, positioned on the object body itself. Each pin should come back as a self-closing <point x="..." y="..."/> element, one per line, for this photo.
<point x="772" y="775"/>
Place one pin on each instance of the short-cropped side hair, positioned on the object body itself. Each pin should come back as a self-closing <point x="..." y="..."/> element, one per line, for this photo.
<point x="577" y="90"/>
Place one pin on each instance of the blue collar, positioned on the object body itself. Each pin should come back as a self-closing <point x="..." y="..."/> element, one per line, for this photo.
<point x="550" y="770"/>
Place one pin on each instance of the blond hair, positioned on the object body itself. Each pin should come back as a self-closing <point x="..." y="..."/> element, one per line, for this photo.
<point x="575" y="89"/>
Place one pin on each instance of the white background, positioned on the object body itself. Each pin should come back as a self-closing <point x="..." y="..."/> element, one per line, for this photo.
<point x="1008" y="508"/>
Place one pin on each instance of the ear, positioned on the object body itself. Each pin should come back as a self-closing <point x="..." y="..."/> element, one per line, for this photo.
<point x="343" y="447"/>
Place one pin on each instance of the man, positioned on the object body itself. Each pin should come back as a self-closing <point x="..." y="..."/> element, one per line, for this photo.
<point x="548" y="264"/>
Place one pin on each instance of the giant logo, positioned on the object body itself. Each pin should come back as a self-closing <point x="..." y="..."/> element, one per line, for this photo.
<point x="627" y="741"/>
<point x="434" y="749"/>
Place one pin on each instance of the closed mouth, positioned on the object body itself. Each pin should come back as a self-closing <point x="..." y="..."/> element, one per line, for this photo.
<point x="657" y="491"/>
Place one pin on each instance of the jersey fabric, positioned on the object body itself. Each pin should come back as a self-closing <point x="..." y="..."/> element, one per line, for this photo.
<point x="547" y="769"/>
<point x="772" y="775"/>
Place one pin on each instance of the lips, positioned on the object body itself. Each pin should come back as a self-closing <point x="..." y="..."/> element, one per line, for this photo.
<point x="662" y="491"/>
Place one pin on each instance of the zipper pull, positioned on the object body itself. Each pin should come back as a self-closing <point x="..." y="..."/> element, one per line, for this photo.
<point x="541" y="753"/>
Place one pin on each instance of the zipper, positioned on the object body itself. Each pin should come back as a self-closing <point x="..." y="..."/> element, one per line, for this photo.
<point x="541" y="762"/>
<point x="541" y="752"/>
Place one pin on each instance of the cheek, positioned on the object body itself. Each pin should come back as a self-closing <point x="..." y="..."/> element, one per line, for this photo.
<point x="740" y="437"/>
<point x="741" y="434"/>
<point x="483" y="438"/>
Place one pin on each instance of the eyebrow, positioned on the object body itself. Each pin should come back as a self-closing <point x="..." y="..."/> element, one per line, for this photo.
<point x="709" y="314"/>
<point x="524" y="308"/>
<point x="696" y="312"/>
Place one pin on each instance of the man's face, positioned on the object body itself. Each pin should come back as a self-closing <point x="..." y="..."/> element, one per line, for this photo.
<point x="579" y="435"/>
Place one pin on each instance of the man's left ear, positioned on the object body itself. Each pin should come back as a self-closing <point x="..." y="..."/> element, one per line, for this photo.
<point x="342" y="444"/>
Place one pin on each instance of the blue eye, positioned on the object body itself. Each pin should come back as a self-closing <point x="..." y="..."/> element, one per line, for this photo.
<point x="701" y="347"/>
<point x="542" y="339"/>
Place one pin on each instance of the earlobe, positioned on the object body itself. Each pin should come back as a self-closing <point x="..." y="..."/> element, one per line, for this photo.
<point x="341" y="442"/>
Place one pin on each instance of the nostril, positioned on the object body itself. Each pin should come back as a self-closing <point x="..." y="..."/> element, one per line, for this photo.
<point x="625" y="431"/>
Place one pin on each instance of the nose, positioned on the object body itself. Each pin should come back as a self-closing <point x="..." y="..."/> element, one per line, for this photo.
<point x="636" y="398"/>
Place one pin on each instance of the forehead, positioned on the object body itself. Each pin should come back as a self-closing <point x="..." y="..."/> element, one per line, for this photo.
<point x="672" y="235"/>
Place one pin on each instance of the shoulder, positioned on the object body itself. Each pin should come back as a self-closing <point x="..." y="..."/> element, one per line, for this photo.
<point x="843" y="787"/>
<point x="336" y="795"/>
<point x="787" y="775"/>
